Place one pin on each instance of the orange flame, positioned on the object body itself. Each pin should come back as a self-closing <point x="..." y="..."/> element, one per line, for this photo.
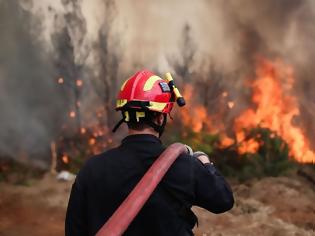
<point x="194" y="115"/>
<point x="60" y="80"/>
<point x="72" y="114"/>
<point x="275" y="109"/>
<point x="65" y="159"/>
<point x="92" y="141"/>
<point x="248" y="146"/>
<point x="230" y="104"/>
<point x="79" y="83"/>
<point x="226" y="141"/>
<point x="83" y="130"/>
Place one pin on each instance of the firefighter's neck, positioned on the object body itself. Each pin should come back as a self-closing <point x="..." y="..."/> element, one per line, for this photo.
<point x="149" y="130"/>
<point x="144" y="131"/>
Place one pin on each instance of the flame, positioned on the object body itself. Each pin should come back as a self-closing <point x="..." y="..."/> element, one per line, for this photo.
<point x="92" y="141"/>
<point x="248" y="146"/>
<point x="275" y="108"/>
<point x="194" y="115"/>
<point x="79" y="83"/>
<point x="83" y="130"/>
<point x="230" y="104"/>
<point x="60" y="80"/>
<point x="72" y="114"/>
<point x="65" y="159"/>
<point x="226" y="141"/>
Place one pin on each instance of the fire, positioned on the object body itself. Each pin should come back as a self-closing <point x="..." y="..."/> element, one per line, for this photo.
<point x="60" y="80"/>
<point x="79" y="83"/>
<point x="92" y="141"/>
<point x="72" y="114"/>
<point x="248" y="146"/>
<point x="65" y="159"/>
<point x="194" y="115"/>
<point x="275" y="108"/>
<point x="230" y="104"/>
<point x="83" y="130"/>
<point x="226" y="141"/>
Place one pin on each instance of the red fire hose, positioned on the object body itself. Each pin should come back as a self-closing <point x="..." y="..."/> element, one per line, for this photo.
<point x="128" y="210"/>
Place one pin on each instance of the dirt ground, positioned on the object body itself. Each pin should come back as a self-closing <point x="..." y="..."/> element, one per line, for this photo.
<point x="271" y="206"/>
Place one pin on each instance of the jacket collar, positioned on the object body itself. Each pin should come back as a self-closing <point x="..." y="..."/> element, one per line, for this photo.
<point x="139" y="138"/>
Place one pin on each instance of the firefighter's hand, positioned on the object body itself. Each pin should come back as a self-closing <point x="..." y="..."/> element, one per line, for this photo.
<point x="203" y="157"/>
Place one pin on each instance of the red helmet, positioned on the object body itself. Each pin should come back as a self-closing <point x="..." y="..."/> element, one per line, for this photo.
<point x="147" y="91"/>
<point x="144" y="93"/>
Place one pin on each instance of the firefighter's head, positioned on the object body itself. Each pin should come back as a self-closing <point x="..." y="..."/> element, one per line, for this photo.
<point x="144" y="100"/>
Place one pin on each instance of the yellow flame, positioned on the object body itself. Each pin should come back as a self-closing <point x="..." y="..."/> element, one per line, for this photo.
<point x="60" y="80"/>
<point x="79" y="83"/>
<point x="72" y="114"/>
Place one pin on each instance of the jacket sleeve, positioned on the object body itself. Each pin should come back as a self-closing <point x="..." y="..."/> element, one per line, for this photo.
<point x="76" y="217"/>
<point x="212" y="192"/>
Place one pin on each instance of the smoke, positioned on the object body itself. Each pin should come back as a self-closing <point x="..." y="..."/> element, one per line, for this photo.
<point x="103" y="42"/>
<point x="29" y="101"/>
<point x="49" y="69"/>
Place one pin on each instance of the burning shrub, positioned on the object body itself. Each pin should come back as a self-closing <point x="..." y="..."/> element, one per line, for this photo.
<point x="269" y="157"/>
<point x="70" y="152"/>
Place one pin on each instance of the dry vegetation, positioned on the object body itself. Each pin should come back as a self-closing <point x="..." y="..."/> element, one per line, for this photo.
<point x="270" y="206"/>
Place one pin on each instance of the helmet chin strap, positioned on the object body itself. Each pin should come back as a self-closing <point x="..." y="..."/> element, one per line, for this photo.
<point x="118" y="125"/>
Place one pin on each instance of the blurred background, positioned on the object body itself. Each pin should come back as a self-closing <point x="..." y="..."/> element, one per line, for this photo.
<point x="244" y="67"/>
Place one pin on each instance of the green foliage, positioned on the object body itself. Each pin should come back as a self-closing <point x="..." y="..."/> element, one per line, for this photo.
<point x="15" y="172"/>
<point x="200" y="141"/>
<point x="271" y="158"/>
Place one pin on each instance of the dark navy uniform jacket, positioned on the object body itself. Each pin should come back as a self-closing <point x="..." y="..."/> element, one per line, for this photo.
<point x="106" y="180"/>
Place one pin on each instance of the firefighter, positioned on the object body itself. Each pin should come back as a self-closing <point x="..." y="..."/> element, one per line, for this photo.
<point x="106" y="179"/>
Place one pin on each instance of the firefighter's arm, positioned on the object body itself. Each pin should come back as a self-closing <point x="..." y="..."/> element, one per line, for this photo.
<point x="76" y="222"/>
<point x="212" y="192"/>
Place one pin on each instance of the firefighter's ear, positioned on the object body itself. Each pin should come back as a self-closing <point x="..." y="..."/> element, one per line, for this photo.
<point x="160" y="119"/>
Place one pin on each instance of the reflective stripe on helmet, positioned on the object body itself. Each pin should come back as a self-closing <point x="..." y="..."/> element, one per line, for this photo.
<point x="150" y="82"/>
<point x="157" y="106"/>
<point x="120" y="103"/>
